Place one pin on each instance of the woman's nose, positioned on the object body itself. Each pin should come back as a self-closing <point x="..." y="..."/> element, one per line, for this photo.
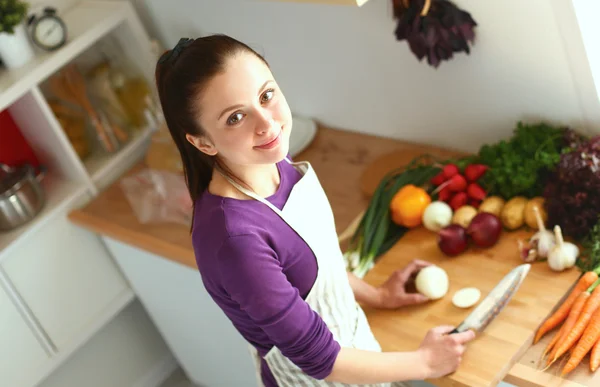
<point x="264" y="124"/>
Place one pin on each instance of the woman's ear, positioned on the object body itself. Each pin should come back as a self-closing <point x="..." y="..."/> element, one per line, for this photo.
<point x="202" y="143"/>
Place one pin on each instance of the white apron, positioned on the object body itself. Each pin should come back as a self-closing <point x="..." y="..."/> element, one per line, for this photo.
<point x="308" y="212"/>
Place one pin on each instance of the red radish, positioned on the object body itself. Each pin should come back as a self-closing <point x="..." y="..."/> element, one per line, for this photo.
<point x="474" y="191"/>
<point x="450" y="170"/>
<point x="438" y="179"/>
<point x="474" y="172"/>
<point x="457" y="183"/>
<point x="444" y="194"/>
<point x="458" y="200"/>
<point x="452" y="239"/>
<point x="485" y="229"/>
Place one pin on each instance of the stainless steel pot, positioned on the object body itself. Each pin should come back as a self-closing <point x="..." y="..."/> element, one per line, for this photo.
<point x="21" y="195"/>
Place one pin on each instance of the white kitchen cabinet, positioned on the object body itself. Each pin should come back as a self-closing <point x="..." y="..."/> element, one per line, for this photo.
<point x="204" y="342"/>
<point x="20" y="350"/>
<point x="68" y="283"/>
<point x="59" y="278"/>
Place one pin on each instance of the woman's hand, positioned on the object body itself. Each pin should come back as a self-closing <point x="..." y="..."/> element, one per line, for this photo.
<point x="394" y="293"/>
<point x="441" y="352"/>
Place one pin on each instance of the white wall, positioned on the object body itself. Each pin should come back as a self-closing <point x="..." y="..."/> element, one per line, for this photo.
<point x="587" y="12"/>
<point x="343" y="66"/>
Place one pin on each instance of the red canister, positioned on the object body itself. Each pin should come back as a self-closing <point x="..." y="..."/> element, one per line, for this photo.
<point x="14" y="148"/>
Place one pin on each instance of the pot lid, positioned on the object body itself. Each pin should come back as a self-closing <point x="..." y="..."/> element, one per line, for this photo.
<point x="12" y="179"/>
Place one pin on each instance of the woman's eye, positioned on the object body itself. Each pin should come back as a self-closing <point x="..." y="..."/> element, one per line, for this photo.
<point x="234" y="118"/>
<point x="267" y="96"/>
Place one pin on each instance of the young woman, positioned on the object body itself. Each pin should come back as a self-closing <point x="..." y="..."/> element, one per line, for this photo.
<point x="264" y="234"/>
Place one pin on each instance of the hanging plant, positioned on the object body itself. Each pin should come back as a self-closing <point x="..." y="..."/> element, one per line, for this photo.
<point x="435" y="29"/>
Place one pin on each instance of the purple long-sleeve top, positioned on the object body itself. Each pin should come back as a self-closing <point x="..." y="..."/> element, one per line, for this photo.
<point x="259" y="272"/>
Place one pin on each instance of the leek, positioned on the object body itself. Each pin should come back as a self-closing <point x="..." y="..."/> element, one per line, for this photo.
<point x="376" y="233"/>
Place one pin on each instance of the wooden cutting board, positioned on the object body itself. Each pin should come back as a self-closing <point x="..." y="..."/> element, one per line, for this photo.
<point x="506" y="344"/>
<point x="493" y="353"/>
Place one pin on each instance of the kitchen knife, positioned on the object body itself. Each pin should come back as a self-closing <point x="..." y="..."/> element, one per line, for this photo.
<point x="488" y="309"/>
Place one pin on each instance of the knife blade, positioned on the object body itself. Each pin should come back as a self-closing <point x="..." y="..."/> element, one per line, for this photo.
<point x="495" y="301"/>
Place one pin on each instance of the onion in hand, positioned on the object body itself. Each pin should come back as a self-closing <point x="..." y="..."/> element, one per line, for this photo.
<point x="432" y="281"/>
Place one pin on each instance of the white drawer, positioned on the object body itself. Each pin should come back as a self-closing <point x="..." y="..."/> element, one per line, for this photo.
<point x="20" y="351"/>
<point x="66" y="277"/>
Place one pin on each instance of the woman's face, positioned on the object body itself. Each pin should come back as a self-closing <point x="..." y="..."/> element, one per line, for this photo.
<point x="245" y="115"/>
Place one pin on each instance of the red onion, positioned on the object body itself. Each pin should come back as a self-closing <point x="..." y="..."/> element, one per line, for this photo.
<point x="485" y="229"/>
<point x="452" y="239"/>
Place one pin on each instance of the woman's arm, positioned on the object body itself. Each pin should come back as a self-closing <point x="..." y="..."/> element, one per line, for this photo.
<point x="364" y="292"/>
<point x="356" y="366"/>
<point x="439" y="354"/>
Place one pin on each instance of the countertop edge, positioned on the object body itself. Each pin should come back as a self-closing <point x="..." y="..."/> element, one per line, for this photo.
<point x="139" y="240"/>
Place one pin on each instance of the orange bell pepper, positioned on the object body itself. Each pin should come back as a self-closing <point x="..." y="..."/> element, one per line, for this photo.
<point x="408" y="205"/>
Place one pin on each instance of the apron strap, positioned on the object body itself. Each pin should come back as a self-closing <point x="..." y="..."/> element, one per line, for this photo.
<point x="302" y="165"/>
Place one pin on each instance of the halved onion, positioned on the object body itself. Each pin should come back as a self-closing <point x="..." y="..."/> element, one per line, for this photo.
<point x="466" y="297"/>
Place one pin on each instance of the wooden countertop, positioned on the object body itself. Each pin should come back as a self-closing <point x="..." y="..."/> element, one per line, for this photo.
<point x="338" y="158"/>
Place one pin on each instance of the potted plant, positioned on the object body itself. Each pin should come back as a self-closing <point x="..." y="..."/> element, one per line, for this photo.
<point x="15" y="47"/>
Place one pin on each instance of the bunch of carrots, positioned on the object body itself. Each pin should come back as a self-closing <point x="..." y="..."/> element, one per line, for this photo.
<point x="580" y="332"/>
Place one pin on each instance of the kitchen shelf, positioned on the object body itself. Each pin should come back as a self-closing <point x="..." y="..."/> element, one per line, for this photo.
<point x="27" y="252"/>
<point x="87" y="22"/>
<point x="60" y="194"/>
<point x="100" y="164"/>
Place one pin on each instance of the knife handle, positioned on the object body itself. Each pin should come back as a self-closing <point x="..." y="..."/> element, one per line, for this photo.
<point x="455" y="330"/>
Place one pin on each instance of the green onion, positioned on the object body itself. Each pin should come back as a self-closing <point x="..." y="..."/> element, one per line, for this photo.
<point x="376" y="232"/>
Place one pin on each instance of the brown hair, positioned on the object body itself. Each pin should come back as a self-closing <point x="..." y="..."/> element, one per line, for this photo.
<point x="181" y="75"/>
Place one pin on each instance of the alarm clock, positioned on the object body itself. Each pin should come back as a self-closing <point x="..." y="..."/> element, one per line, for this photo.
<point x="47" y="31"/>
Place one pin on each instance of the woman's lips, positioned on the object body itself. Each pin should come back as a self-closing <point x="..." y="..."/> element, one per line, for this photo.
<point x="271" y="143"/>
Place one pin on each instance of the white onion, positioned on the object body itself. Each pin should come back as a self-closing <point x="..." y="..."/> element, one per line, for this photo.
<point x="432" y="281"/>
<point x="466" y="297"/>
<point x="437" y="215"/>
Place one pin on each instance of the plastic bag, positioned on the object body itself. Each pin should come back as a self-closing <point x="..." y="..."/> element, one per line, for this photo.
<point x="158" y="196"/>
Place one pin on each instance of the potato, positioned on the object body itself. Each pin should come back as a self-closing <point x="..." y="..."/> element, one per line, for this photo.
<point x="464" y="215"/>
<point x="493" y="205"/>
<point x="513" y="213"/>
<point x="530" y="219"/>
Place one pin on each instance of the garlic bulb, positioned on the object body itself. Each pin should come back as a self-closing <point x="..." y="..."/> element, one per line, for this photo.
<point x="543" y="240"/>
<point x="563" y="255"/>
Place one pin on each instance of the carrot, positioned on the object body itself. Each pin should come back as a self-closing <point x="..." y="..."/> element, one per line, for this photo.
<point x="573" y="336"/>
<point x="588" y="340"/>
<point x="584" y="282"/>
<point x="551" y="344"/>
<point x="595" y="357"/>
<point x="567" y="326"/>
